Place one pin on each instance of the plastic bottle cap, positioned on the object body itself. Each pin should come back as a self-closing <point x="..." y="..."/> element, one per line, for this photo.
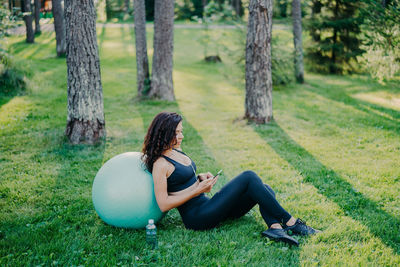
<point x="151" y="221"/>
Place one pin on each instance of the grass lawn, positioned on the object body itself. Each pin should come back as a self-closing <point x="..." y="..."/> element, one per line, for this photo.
<point x="332" y="155"/>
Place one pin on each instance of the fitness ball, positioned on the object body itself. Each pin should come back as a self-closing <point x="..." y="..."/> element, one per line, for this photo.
<point x="123" y="192"/>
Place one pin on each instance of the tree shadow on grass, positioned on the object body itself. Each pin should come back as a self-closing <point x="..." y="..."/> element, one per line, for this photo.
<point x="124" y="42"/>
<point x="72" y="195"/>
<point x="29" y="51"/>
<point x="4" y="100"/>
<point x="380" y="223"/>
<point x="337" y="93"/>
<point x="60" y="176"/>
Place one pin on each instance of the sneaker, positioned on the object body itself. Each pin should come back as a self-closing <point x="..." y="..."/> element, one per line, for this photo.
<point x="280" y="235"/>
<point x="301" y="228"/>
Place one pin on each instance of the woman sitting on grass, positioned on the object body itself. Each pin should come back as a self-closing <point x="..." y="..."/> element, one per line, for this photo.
<point x="177" y="186"/>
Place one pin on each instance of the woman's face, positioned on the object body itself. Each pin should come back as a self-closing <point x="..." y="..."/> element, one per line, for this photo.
<point x="179" y="135"/>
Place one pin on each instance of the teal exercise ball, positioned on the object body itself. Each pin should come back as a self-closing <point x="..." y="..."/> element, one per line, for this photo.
<point x="123" y="192"/>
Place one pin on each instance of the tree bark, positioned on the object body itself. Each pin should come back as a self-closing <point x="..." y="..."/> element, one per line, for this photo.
<point x="59" y="28"/>
<point x="258" y="103"/>
<point x="85" y="120"/>
<point x="237" y="5"/>
<point x="37" y="16"/>
<point x="332" y="67"/>
<point x="142" y="61"/>
<point x="30" y="36"/>
<point x="204" y="3"/>
<point x="298" y="41"/>
<point x="126" y="6"/>
<point x="161" y="80"/>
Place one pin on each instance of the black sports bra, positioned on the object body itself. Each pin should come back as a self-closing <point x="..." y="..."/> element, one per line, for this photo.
<point x="183" y="176"/>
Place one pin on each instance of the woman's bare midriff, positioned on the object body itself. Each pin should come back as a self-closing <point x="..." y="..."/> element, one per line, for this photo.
<point x="190" y="188"/>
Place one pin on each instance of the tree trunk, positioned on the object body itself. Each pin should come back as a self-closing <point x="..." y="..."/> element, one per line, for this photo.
<point x="298" y="42"/>
<point x="237" y="5"/>
<point x="59" y="27"/>
<point x="142" y="61"/>
<point x="258" y="62"/>
<point x="332" y="67"/>
<point x="108" y="9"/>
<point x="85" y="120"/>
<point x="161" y="80"/>
<point x="37" y="16"/>
<point x="315" y="10"/>
<point x="26" y="8"/>
<point x="126" y="6"/>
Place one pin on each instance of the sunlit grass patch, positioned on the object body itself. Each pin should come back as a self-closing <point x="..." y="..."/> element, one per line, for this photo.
<point x="381" y="98"/>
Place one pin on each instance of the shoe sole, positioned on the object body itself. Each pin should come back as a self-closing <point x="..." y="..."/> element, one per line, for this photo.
<point x="303" y="233"/>
<point x="282" y="239"/>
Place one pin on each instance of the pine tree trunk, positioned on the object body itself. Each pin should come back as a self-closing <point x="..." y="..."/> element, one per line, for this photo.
<point x="315" y="10"/>
<point x="142" y="61"/>
<point x="298" y="42"/>
<point x="204" y="3"/>
<point x="258" y="62"/>
<point x="37" y="16"/>
<point x="126" y="6"/>
<point x="85" y="120"/>
<point x="30" y="36"/>
<point x="59" y="27"/>
<point x="332" y="66"/>
<point x="237" y="5"/>
<point x="108" y="9"/>
<point x="161" y="80"/>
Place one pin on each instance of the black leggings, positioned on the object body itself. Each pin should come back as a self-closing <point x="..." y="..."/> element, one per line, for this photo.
<point x="234" y="200"/>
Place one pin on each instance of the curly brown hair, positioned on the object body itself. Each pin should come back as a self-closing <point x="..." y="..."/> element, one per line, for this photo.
<point x="160" y="136"/>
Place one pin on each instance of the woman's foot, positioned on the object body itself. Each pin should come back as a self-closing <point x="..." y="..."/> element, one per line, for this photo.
<point x="280" y="235"/>
<point x="301" y="228"/>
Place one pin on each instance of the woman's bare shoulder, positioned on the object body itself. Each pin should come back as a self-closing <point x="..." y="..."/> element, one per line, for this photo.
<point x="161" y="164"/>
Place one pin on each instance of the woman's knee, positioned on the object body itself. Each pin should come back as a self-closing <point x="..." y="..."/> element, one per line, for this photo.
<point x="251" y="175"/>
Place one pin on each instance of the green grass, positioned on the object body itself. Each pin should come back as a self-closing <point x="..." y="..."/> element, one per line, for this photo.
<point x="331" y="155"/>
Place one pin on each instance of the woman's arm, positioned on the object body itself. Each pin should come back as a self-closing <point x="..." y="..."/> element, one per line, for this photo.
<point x="166" y="202"/>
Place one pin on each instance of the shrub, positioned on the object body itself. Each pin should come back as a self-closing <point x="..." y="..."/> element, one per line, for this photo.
<point x="381" y="36"/>
<point x="382" y="64"/>
<point x="282" y="63"/>
<point x="12" y="76"/>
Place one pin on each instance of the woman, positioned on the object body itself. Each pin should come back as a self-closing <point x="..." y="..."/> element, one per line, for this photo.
<point x="177" y="186"/>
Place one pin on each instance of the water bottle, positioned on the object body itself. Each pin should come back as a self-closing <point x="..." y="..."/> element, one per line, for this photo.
<point x="151" y="234"/>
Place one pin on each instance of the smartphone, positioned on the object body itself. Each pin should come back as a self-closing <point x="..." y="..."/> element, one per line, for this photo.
<point x="218" y="173"/>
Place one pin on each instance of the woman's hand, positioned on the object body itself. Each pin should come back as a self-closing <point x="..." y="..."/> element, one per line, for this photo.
<point x="206" y="185"/>
<point x="205" y="176"/>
